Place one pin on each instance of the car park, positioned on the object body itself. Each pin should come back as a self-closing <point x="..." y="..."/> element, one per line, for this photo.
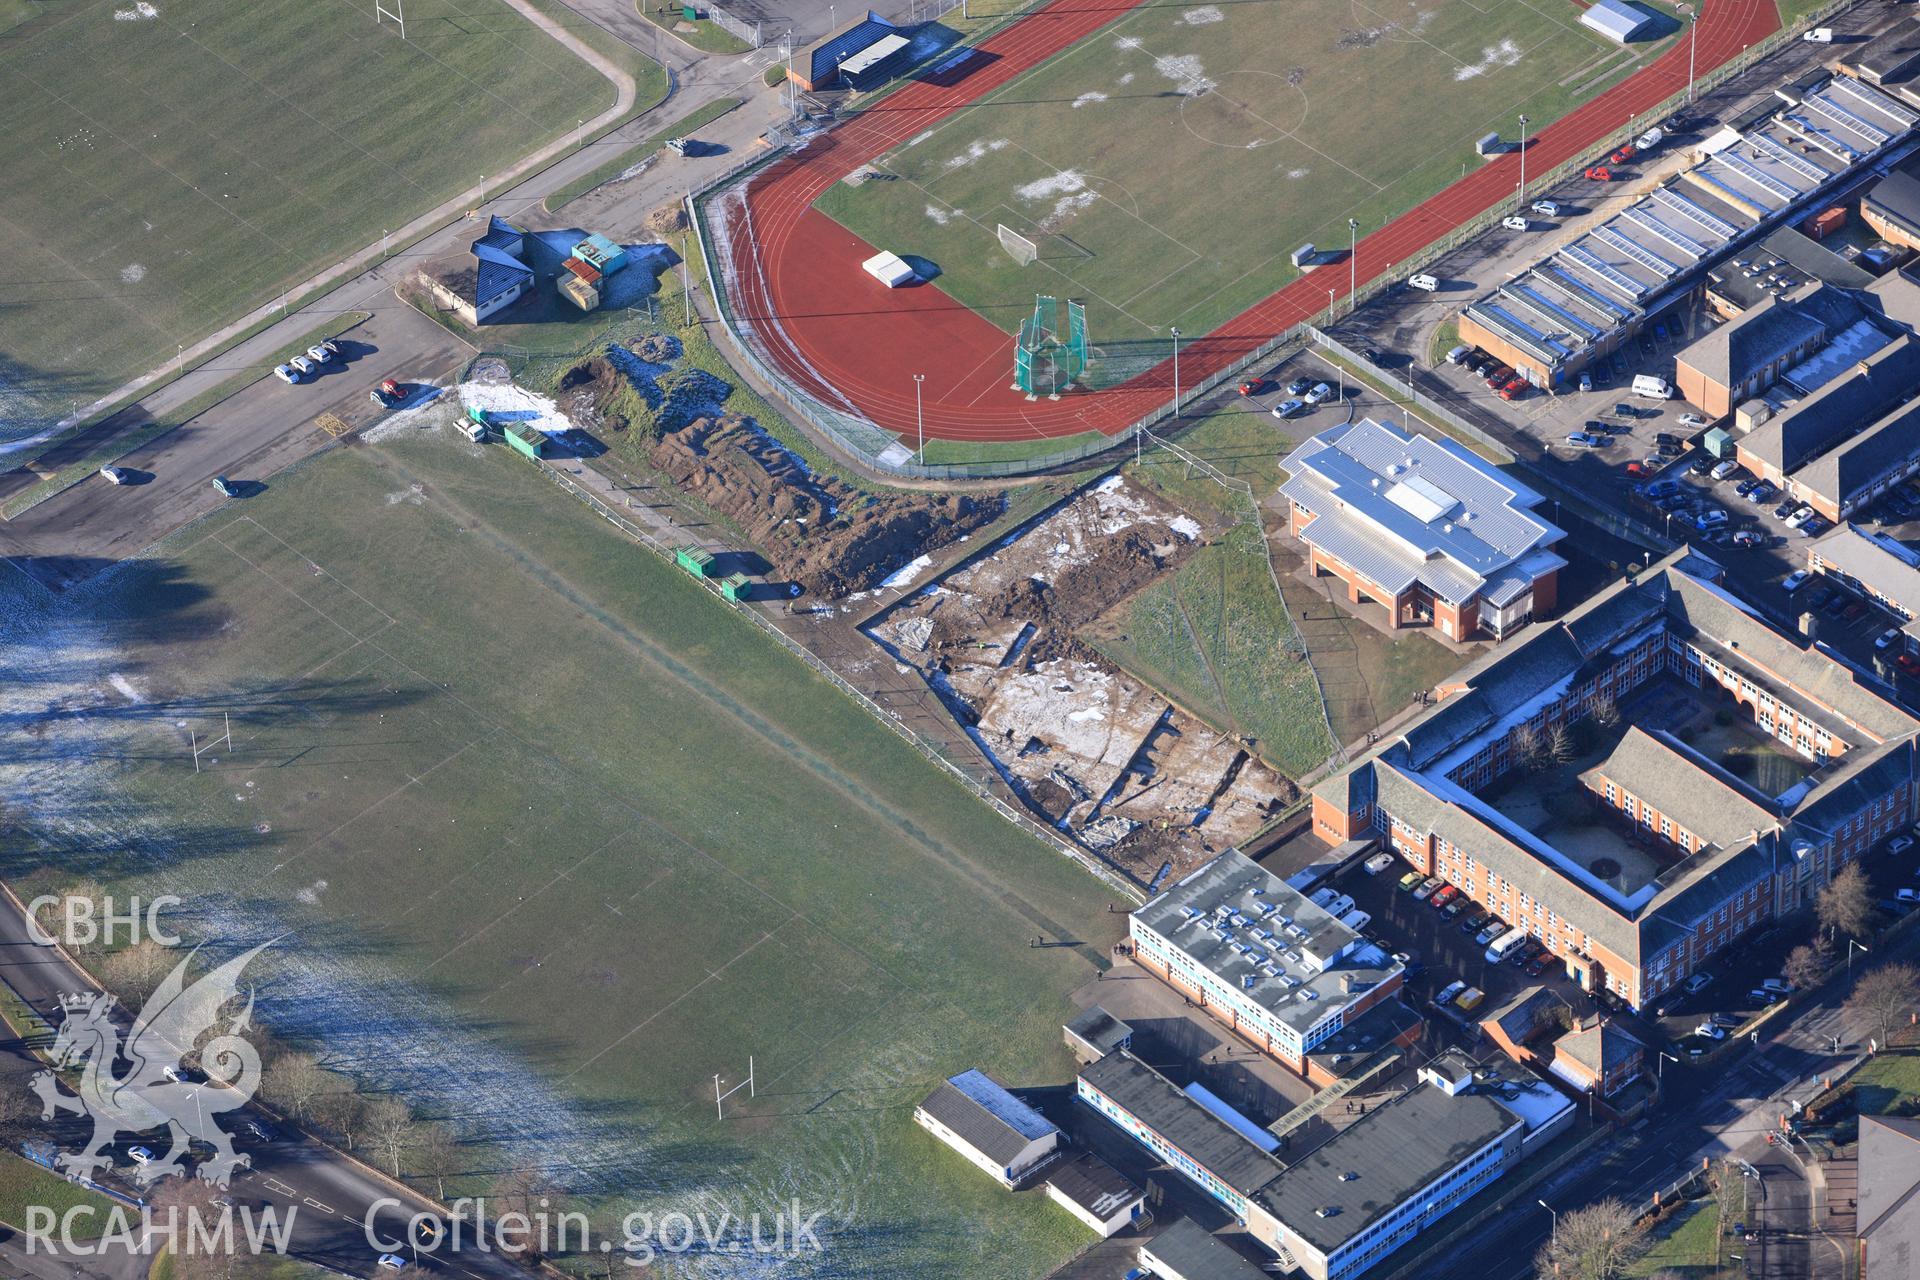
<point x="286" y="374"/>
<point x="1377" y="863"/>
<point x="1289" y="409"/>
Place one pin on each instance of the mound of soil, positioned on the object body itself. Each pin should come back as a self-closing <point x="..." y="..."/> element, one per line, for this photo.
<point x="656" y="348"/>
<point x="597" y="397"/>
<point x="825" y="535"/>
<point x="667" y="219"/>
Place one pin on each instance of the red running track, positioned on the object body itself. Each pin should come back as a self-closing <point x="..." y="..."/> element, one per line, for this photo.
<point x="848" y="341"/>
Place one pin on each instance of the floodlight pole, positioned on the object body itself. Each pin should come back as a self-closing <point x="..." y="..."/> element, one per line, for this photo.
<point x="920" y="420"/>
<point x="1176" y="371"/>
<point x="1329" y="306"/>
<point x="1353" y="262"/>
<point x="1521" y="201"/>
<point x="1693" y="42"/>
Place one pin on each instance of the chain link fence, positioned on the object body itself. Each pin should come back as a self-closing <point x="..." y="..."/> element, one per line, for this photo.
<point x="735" y="26"/>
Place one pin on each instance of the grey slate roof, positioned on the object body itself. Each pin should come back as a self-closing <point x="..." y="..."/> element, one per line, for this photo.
<point x="1603" y="1047"/>
<point x="1886" y="567"/>
<point x="1888" y="1199"/>
<point x="1191" y="1253"/>
<point x="1897" y="196"/>
<point x="1210" y="1141"/>
<point x="1397" y="1148"/>
<point x="1673" y="782"/>
<point x="1853" y="466"/>
<point x="1758" y="337"/>
<point x="1807" y="429"/>
<point x="1093" y="1184"/>
<point x="986" y="1117"/>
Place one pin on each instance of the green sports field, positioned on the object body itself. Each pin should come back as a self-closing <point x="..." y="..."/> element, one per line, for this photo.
<point x="171" y="164"/>
<point x="1168" y="165"/>
<point x="558" y="837"/>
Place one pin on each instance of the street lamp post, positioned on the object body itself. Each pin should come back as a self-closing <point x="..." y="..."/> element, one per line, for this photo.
<point x="1329" y="306"/>
<point x="1660" y="1064"/>
<point x="1556" y="1217"/>
<point x="1851" y="945"/>
<point x="1693" y="42"/>
<point x="919" y="419"/>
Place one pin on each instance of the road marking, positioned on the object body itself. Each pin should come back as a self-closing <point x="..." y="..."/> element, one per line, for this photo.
<point x="277" y="1186"/>
<point x="312" y="1203"/>
<point x="332" y="424"/>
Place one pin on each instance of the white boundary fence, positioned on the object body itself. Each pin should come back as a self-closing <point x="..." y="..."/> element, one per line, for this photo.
<point x="748" y="31"/>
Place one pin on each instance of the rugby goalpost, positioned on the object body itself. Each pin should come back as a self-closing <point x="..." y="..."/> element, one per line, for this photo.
<point x="200" y="748"/>
<point x="397" y="12"/>
<point x="720" y="1099"/>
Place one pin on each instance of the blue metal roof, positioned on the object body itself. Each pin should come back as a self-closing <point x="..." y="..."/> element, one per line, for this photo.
<point x="498" y="272"/>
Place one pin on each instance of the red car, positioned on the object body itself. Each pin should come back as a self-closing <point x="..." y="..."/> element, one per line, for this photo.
<point x="1600" y="173"/>
<point x="1255" y="386"/>
<point x="1514" y="388"/>
<point x="1908" y="663"/>
<point x="1442" y="896"/>
<point x="1624" y="154"/>
<point x="1498" y="376"/>
<point x="1637" y="469"/>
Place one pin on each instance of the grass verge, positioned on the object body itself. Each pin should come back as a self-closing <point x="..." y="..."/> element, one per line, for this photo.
<point x="120" y="444"/>
<point x="702" y="33"/>
<point x="1684" y="1244"/>
<point x="25" y="1185"/>
<point x="619" y="164"/>
<point x="1446" y="336"/>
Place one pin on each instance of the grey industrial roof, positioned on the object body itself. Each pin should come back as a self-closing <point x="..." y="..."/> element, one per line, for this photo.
<point x="1673" y="783"/>
<point x="1801" y="258"/>
<point x="1242" y="923"/>
<point x="1895" y="297"/>
<point x="1616" y="19"/>
<point x="1405" y="508"/>
<point x="1398" y="1148"/>
<point x="1758" y="337"/>
<point x="1159" y="1105"/>
<point x="986" y="1117"/>
<point x="1093" y="1184"/>
<point x="1190" y="1252"/>
<point x="1809" y="428"/>
<point x="1883" y="565"/>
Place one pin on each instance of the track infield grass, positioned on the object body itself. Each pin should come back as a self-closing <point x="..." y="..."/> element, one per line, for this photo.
<point x="483" y="740"/>
<point x="1169" y="164"/>
<point x="166" y="173"/>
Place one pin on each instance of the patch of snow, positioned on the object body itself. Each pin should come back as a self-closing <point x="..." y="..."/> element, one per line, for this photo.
<point x="1202" y="15"/>
<point x="1127" y="42"/>
<point x="1127" y="78"/>
<point x="1492" y="57"/>
<point x="311" y="894"/>
<point x="1185" y="70"/>
<point x="1065" y="182"/>
<point x="132" y="273"/>
<point x="939" y="216"/>
<point x="906" y="573"/>
<point x="126" y="688"/>
<point x="1186" y="526"/>
<point x="142" y="12"/>
<point x="1090" y="97"/>
<point x="509" y="404"/>
<point x="1297" y="174"/>
<point x="977" y="150"/>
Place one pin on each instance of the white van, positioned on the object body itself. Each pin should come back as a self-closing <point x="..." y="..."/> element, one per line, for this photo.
<point x="1356" y="920"/>
<point x="1645" y="384"/>
<point x="1497" y="950"/>
<point x="1819" y="35"/>
<point x="1424" y="283"/>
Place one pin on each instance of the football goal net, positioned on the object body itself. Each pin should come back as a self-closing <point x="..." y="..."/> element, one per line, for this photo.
<point x="1018" y="247"/>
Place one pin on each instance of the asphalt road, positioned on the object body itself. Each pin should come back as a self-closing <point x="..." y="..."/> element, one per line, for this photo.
<point x="328" y="1197"/>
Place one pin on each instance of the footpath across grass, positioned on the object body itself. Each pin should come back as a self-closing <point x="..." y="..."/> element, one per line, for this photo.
<point x="631" y="156"/>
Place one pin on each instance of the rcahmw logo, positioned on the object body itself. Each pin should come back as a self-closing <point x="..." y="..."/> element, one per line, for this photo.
<point x="189" y="1231"/>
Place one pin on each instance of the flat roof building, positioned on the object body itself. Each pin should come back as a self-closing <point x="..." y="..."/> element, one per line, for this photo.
<point x="1424" y="528"/>
<point x="1878" y="566"/>
<point x="1618" y="20"/>
<point x="1095" y="1192"/>
<point x="1269" y="964"/>
<point x="1645" y="854"/>
<point x="1188" y="1251"/>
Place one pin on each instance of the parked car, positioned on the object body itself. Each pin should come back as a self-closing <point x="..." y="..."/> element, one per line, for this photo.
<point x="1516" y="389"/>
<point x="1445" y="995"/>
<point x="1255" y="387"/>
<point x="303" y="366"/>
<point x="1427" y="888"/>
<point x="1710" y="1030"/>
<point x="1498" y="375"/>
<point x="1697" y="983"/>
<point x="226" y="487"/>
<point x="1474" y="923"/>
<point x="1900" y="844"/>
<point x="1459" y="355"/>
<point x="1377" y="863"/>
<point x="1907" y="663"/>
<point x="1885" y="640"/>
<point x="387" y="394"/>
<point x="1299" y="386"/>
<point x="1514" y="222"/>
<point x="1320" y="394"/>
<point x="140" y="1155"/>
<point x="1442" y="896"/>
<point x="1747" y="538"/>
<point x="115" y="475"/>
<point x="319" y="354"/>
<point x="1289" y="409"/>
<point x="1692" y="421"/>
<point x="1491" y="930"/>
<point x="1724" y="469"/>
<point x="1586" y="382"/>
<point x="1711" y="518"/>
<point x="1546" y="208"/>
<point x="286" y="374"/>
<point x="1410" y="881"/>
<point x="1539" y="964"/>
<point x="1762" y="492"/>
<point x="1639" y="468"/>
<point x="1455" y="907"/>
<point x="392" y="1262"/>
<point x="1585" y="439"/>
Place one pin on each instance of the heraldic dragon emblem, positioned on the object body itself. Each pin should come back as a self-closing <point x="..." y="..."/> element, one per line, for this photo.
<point x="152" y="1092"/>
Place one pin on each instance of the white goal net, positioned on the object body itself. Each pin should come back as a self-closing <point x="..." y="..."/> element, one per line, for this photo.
<point x="1018" y="247"/>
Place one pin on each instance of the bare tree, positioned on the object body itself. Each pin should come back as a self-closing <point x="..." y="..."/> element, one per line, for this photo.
<point x="133" y="972"/>
<point x="1596" y="1242"/>
<point x="437" y="1155"/>
<point x="1806" y="965"/>
<point x="1530" y="748"/>
<point x="388" y="1126"/>
<point x="295" y="1082"/>
<point x="1605" y="711"/>
<point x="198" y="1247"/>
<point x="1846" y="904"/>
<point x="1889" y="995"/>
<point x="1562" y="746"/>
<point x="345" y="1113"/>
